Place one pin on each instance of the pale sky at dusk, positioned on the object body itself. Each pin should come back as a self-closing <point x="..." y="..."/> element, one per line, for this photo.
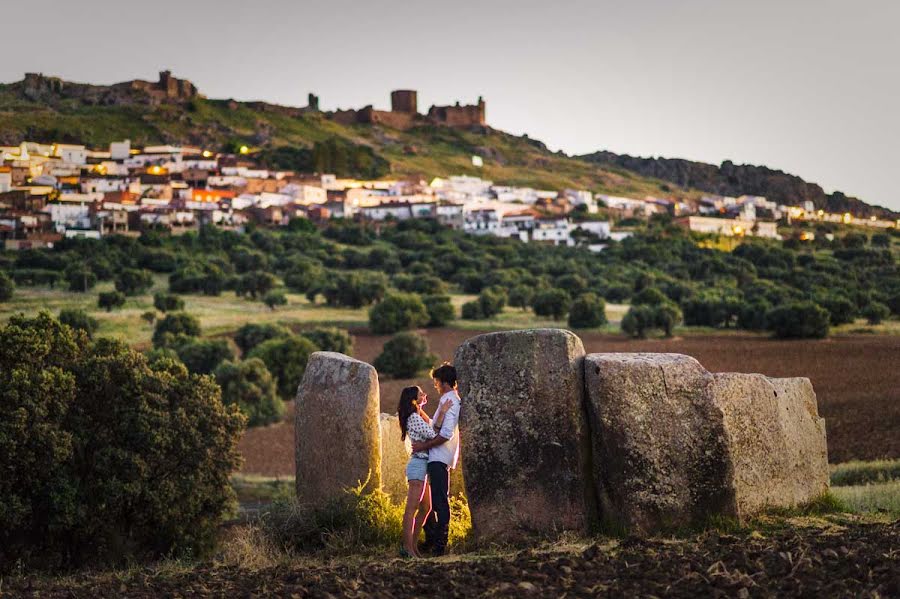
<point x="811" y="87"/>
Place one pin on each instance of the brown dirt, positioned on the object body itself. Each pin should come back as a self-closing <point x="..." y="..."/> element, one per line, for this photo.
<point x="862" y="560"/>
<point x="856" y="378"/>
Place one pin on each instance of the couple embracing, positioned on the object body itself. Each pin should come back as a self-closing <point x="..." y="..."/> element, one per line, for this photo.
<point x="435" y="451"/>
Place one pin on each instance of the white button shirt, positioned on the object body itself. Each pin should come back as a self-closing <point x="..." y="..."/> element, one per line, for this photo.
<point x="448" y="452"/>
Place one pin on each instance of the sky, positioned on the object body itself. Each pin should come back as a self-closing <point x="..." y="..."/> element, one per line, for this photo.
<point x="810" y="87"/>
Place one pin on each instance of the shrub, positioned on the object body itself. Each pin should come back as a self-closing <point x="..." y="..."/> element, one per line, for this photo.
<point x="472" y="310"/>
<point x="81" y="280"/>
<point x="110" y="299"/>
<point x="799" y="320"/>
<point x="398" y="312"/>
<point x="255" y="284"/>
<point x="752" y="315"/>
<point x="440" y="310"/>
<point x="520" y="296"/>
<point x="330" y="339"/>
<point x="80" y="320"/>
<point x="149" y="316"/>
<point x="841" y="310"/>
<point x="875" y="312"/>
<point x="551" y="302"/>
<point x="134" y="282"/>
<point x="639" y="319"/>
<point x="403" y="356"/>
<point x="421" y="284"/>
<point x="7" y="287"/>
<point x="174" y="325"/>
<point x="587" y="311"/>
<point x="167" y="302"/>
<point x="492" y="300"/>
<point x="249" y="386"/>
<point x="251" y="334"/>
<point x="666" y="316"/>
<point x="207" y="279"/>
<point x="202" y="356"/>
<point x="88" y="476"/>
<point x="286" y="359"/>
<point x="571" y="284"/>
<point x="649" y="296"/>
<point x="275" y="298"/>
<point x="354" y="290"/>
<point x="893" y="304"/>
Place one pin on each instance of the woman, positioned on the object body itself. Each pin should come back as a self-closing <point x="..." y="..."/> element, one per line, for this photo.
<point x="415" y="424"/>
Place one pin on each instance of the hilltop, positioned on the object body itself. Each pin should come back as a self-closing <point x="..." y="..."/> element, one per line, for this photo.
<point x="400" y="142"/>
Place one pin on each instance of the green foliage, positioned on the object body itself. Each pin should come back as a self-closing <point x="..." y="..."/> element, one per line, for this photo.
<point x="639" y="320"/>
<point x="275" y="298"/>
<point x="7" y="287"/>
<point x="649" y="296"/>
<point x="587" y="311"/>
<point x="149" y="316"/>
<point x="472" y="311"/>
<point x="354" y="290"/>
<point x="330" y="339"/>
<point x="134" y="282"/>
<point x="250" y="387"/>
<point x="346" y="159"/>
<point x="551" y="302"/>
<point x="205" y="278"/>
<point x="398" y="312"/>
<point x="875" y="312"/>
<point x="202" y="356"/>
<point x="252" y="334"/>
<point x="863" y="473"/>
<point x="491" y="301"/>
<point x="404" y="356"/>
<point x="841" y="310"/>
<point x="799" y="320"/>
<point x="255" y="284"/>
<point x="80" y="279"/>
<point x="108" y="300"/>
<point x="80" y="320"/>
<point x="89" y="435"/>
<point x="174" y="326"/>
<point x="440" y="310"/>
<point x="167" y="302"/>
<point x="666" y="316"/>
<point x="286" y="359"/>
<point x="521" y="296"/>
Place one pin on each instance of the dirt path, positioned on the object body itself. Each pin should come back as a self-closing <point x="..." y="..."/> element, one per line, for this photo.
<point x="856" y="378"/>
<point x="860" y="561"/>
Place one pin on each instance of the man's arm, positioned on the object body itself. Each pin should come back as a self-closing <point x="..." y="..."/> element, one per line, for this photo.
<point x="446" y="432"/>
<point x="426" y="445"/>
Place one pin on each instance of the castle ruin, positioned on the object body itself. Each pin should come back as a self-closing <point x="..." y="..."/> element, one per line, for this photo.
<point x="404" y="114"/>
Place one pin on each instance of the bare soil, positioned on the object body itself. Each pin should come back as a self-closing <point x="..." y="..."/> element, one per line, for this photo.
<point x="856" y="378"/>
<point x="861" y="560"/>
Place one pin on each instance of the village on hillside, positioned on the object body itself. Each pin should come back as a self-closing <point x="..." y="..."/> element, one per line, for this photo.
<point x="57" y="190"/>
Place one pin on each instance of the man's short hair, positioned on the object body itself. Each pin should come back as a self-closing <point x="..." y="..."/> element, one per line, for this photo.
<point x="445" y="373"/>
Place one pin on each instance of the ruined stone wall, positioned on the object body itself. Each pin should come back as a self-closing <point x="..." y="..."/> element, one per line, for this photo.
<point x="459" y="116"/>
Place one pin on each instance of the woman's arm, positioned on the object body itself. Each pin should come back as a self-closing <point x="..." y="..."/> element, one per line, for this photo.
<point x="424" y="416"/>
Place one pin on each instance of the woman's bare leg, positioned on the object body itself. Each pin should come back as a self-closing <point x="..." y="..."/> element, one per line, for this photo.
<point x="424" y="510"/>
<point x="413" y="497"/>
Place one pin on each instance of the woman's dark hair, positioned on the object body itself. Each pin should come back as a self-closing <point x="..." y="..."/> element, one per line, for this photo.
<point x="406" y="407"/>
<point x="445" y="373"/>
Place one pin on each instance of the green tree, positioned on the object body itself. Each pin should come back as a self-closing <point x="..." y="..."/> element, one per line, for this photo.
<point x="650" y="296"/>
<point x="551" y="302"/>
<point x="404" y="356"/>
<point x="330" y="339"/>
<point x="666" y="316"/>
<point x="167" y="302"/>
<point x="398" y="312"/>
<point x="80" y="320"/>
<point x="521" y="296"/>
<point x="134" y="282"/>
<point x="875" y="312"/>
<point x="492" y="300"/>
<point x="275" y="298"/>
<point x="587" y="312"/>
<point x="255" y="284"/>
<point x="202" y="356"/>
<point x="639" y="319"/>
<point x="252" y="334"/>
<point x="440" y="310"/>
<point x="110" y="299"/>
<point x="249" y="386"/>
<point x="7" y="287"/>
<point x="799" y="320"/>
<point x="286" y="359"/>
<point x="175" y="326"/>
<point x="472" y="311"/>
<point x="81" y="279"/>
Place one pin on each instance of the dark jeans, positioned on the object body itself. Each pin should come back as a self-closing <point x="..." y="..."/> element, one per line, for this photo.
<point x="437" y="526"/>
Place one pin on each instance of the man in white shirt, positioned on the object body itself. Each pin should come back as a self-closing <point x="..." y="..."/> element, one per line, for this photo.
<point x="443" y="454"/>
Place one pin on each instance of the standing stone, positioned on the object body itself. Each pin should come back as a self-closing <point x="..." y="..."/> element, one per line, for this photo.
<point x="394" y="457"/>
<point x="659" y="458"/>
<point x="337" y="432"/>
<point x="524" y="440"/>
<point x="776" y="440"/>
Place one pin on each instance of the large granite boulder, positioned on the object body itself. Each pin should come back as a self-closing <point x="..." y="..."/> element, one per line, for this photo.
<point x="394" y="457"/>
<point x="337" y="432"/>
<point x="775" y="438"/>
<point x="660" y="458"/>
<point x="525" y="444"/>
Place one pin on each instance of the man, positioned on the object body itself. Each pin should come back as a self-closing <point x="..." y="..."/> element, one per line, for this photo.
<point x="443" y="453"/>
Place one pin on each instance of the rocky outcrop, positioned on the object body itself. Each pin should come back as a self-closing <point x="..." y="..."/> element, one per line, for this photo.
<point x="659" y="454"/>
<point x="337" y="431"/>
<point x="775" y="439"/>
<point x="394" y="457"/>
<point x="525" y="444"/>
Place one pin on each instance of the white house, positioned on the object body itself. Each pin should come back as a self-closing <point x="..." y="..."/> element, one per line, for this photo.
<point x="120" y="150"/>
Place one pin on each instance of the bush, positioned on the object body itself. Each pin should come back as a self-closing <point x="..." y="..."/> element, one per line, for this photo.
<point x="249" y="386"/>
<point x="353" y="290"/>
<point x="799" y="320"/>
<point x="440" y="310"/>
<point x="893" y="304"/>
<point x="110" y="299"/>
<point x="251" y="334"/>
<point x="472" y="310"/>
<point x="88" y="476"/>
<point x="841" y="310"/>
<point x="275" y="298"/>
<point x="404" y="356"/>
<point x="174" y="325"/>
<point x="286" y="359"/>
<point x="520" y="296"/>
<point x="492" y="300"/>
<point x="398" y="312"/>
<point x="649" y="296"/>
<point x="134" y="282"/>
<point x="639" y="320"/>
<point x="666" y="316"/>
<point x="587" y="311"/>
<point x="7" y="287"/>
<point x="752" y="315"/>
<point x="202" y="356"/>
<point x="81" y="280"/>
<point x="79" y="320"/>
<point x="255" y="284"/>
<point x="167" y="302"/>
<point x="875" y="312"/>
<point x="149" y="316"/>
<point x="330" y="339"/>
<point x="207" y="279"/>
<point x="551" y="302"/>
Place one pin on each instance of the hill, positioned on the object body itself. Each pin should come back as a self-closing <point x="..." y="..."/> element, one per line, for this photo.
<point x="737" y="179"/>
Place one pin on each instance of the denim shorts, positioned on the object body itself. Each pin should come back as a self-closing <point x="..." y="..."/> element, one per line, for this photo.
<point x="417" y="469"/>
